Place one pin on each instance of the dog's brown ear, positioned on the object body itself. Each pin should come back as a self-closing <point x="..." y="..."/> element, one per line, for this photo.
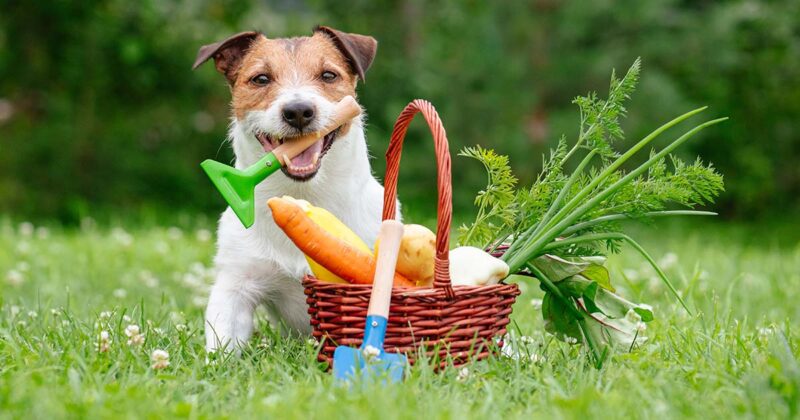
<point x="359" y="49"/>
<point x="227" y="53"/>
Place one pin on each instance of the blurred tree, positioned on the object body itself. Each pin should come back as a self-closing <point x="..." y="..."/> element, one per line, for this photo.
<point x="98" y="106"/>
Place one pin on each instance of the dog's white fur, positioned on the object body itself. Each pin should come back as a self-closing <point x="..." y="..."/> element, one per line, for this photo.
<point x="260" y="264"/>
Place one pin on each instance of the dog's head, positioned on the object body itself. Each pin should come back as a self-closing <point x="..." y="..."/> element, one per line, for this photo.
<point x="283" y="88"/>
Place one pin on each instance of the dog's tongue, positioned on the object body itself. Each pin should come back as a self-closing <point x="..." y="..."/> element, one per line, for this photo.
<point x="306" y="157"/>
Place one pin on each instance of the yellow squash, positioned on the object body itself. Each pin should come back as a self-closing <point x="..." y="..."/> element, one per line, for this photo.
<point x="335" y="227"/>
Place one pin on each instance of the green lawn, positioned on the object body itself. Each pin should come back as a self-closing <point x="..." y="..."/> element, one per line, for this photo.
<point x="735" y="356"/>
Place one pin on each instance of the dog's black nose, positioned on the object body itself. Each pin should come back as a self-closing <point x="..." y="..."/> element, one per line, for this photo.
<point x="298" y="114"/>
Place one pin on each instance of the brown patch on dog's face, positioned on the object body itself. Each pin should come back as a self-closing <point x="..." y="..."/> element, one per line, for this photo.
<point x="272" y="64"/>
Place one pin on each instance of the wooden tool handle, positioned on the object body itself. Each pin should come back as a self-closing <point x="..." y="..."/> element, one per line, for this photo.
<point x="390" y="236"/>
<point x="346" y="110"/>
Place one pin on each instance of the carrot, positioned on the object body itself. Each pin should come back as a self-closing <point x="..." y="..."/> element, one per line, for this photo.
<point x="337" y="256"/>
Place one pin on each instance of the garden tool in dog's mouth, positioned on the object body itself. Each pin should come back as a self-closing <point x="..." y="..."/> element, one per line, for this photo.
<point x="238" y="186"/>
<point x="371" y="360"/>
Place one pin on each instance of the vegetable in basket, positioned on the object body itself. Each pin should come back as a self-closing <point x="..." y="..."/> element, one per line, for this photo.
<point x="469" y="266"/>
<point x="334" y="226"/>
<point x="417" y="251"/>
<point x="338" y="256"/>
<point x="558" y="229"/>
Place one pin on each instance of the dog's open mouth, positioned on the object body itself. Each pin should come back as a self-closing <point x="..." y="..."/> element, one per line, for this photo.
<point x="305" y="165"/>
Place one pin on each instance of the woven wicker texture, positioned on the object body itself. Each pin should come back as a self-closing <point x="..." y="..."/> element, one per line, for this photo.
<point x="461" y="323"/>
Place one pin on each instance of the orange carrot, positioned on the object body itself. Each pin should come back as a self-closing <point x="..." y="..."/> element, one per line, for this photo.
<point x="338" y="257"/>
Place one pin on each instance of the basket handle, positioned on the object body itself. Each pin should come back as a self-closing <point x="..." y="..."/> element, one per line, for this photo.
<point x="441" y="273"/>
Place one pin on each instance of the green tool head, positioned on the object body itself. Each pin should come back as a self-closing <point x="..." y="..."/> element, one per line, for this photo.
<point x="238" y="186"/>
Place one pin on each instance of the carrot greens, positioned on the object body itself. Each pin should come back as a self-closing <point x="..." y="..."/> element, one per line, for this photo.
<point x="559" y="228"/>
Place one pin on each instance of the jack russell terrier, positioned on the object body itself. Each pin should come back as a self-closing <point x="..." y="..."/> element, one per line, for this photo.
<point x="283" y="88"/>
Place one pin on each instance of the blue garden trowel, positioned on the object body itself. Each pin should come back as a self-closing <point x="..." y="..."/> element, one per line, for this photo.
<point x="238" y="186"/>
<point x="371" y="360"/>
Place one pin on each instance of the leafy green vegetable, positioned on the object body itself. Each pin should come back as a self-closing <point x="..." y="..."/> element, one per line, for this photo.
<point x="495" y="203"/>
<point x="556" y="227"/>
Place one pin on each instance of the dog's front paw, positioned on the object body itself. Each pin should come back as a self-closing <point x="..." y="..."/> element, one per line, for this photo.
<point x="220" y="344"/>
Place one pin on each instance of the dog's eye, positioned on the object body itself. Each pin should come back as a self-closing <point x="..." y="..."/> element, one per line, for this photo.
<point x="328" y="76"/>
<point x="261" y="79"/>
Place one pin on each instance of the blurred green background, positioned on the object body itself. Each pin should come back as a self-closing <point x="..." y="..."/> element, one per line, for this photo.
<point x="100" y="112"/>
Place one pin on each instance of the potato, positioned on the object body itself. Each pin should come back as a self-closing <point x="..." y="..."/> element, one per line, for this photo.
<point x="417" y="253"/>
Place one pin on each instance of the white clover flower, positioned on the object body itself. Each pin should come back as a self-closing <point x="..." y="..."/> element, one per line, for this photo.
<point x="181" y="327"/>
<point x="22" y="323"/>
<point x="14" y="309"/>
<point x="64" y="322"/>
<point x="55" y="312"/>
<point x="197" y="267"/>
<point x="126" y="318"/>
<point x="654" y="284"/>
<point x="312" y="342"/>
<point x="192" y="280"/>
<point x="162" y="247"/>
<point x="104" y="342"/>
<point x="633" y="316"/>
<point x="174" y="233"/>
<point x="463" y="375"/>
<point x="14" y="277"/>
<point x="158" y="331"/>
<point x="536" y="358"/>
<point x="630" y="274"/>
<point x="199" y="301"/>
<point x="42" y="232"/>
<point x="120" y="293"/>
<point x="370" y="352"/>
<point x="148" y="279"/>
<point x="641" y="327"/>
<point x="135" y="337"/>
<point x="122" y="237"/>
<point x="536" y="303"/>
<point x="203" y="235"/>
<point x="263" y="343"/>
<point x="105" y="314"/>
<point x="26" y="229"/>
<point x="765" y="332"/>
<point x="271" y="400"/>
<point x="33" y="314"/>
<point x="160" y="359"/>
<point x="668" y="261"/>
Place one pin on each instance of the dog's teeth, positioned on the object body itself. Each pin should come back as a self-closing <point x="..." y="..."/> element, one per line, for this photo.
<point x="314" y="159"/>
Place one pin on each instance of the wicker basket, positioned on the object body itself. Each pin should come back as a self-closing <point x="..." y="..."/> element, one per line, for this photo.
<point x="452" y="324"/>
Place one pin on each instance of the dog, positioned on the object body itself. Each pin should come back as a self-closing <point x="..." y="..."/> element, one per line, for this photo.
<point x="283" y="88"/>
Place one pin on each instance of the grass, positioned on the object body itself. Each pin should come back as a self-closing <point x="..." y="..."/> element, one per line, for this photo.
<point x="735" y="356"/>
